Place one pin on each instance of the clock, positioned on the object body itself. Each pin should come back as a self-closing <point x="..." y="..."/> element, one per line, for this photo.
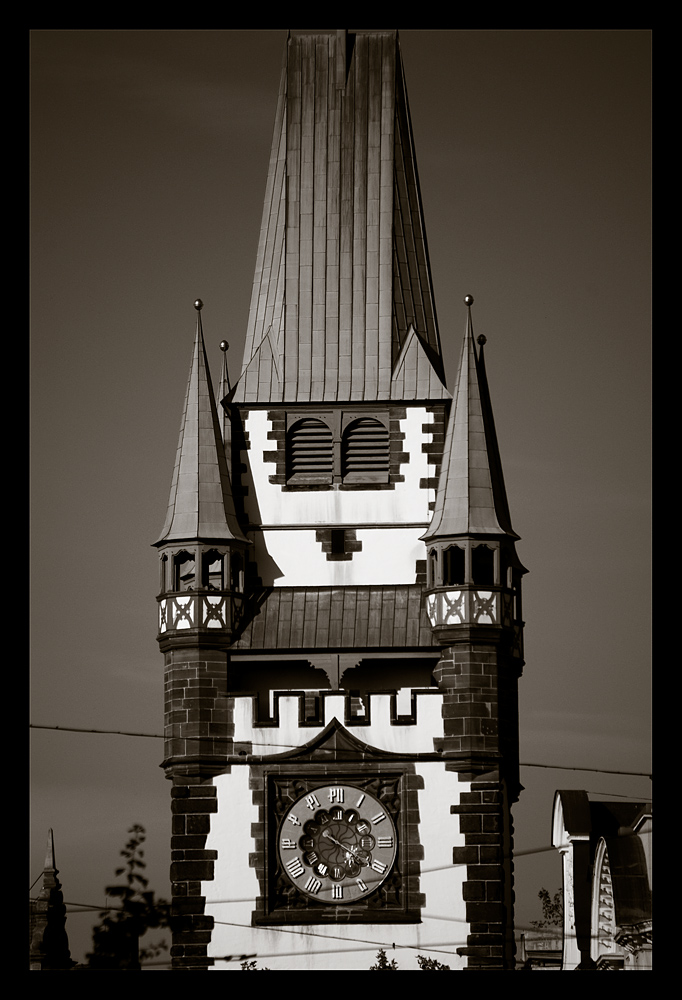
<point x="337" y="843"/>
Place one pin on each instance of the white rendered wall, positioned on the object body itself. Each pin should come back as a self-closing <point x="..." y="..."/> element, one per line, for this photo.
<point x="230" y="896"/>
<point x="380" y="733"/>
<point x="406" y="503"/>
<point x="388" y="556"/>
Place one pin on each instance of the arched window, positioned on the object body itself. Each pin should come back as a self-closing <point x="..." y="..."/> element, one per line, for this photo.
<point x="483" y="566"/>
<point x="184" y="571"/>
<point x="453" y="566"/>
<point x="237" y="571"/>
<point x="310" y="450"/>
<point x="433" y="568"/>
<point x="212" y="575"/>
<point x="365" y="452"/>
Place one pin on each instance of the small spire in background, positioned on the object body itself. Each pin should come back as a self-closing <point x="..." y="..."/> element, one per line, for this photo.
<point x="49" y="943"/>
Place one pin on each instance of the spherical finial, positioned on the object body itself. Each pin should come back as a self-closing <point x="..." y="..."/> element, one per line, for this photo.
<point x="468" y="300"/>
<point x="224" y="345"/>
<point x="198" y="305"/>
<point x="481" y="339"/>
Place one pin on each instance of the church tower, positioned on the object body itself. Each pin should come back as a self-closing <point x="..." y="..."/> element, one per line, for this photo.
<point x="340" y="593"/>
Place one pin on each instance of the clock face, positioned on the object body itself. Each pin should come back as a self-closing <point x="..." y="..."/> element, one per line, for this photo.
<point x="337" y="843"/>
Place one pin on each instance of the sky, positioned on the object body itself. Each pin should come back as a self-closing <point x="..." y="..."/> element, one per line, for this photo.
<point x="149" y="155"/>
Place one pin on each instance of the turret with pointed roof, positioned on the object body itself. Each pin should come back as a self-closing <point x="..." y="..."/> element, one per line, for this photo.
<point x="201" y="505"/>
<point x="474" y="574"/>
<point x="202" y="574"/>
<point x="471" y="498"/>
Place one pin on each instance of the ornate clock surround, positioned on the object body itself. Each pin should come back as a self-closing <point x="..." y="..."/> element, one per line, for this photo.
<point x="396" y="899"/>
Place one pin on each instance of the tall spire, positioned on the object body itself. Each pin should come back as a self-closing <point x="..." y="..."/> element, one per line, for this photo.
<point x="201" y="506"/>
<point x="342" y="271"/>
<point x="471" y="498"/>
<point x="49" y="944"/>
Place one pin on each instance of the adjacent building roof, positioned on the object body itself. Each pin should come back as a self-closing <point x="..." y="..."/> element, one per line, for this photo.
<point x="471" y="498"/>
<point x="342" y="269"/>
<point x="201" y="505"/>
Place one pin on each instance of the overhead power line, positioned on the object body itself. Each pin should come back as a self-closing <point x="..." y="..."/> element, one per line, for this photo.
<point x="292" y="746"/>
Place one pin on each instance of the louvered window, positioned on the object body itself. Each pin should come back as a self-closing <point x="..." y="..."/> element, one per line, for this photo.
<point x="310" y="451"/>
<point x="364" y="452"/>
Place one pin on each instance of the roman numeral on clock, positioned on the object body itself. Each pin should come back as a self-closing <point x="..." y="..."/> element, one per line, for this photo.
<point x="385" y="841"/>
<point x="337" y="892"/>
<point x="295" y="868"/>
<point x="288" y="843"/>
<point x="378" y="818"/>
<point x="313" y="884"/>
<point x="379" y="867"/>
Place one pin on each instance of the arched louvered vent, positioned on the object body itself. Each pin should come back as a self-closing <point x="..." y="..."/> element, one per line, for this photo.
<point x="364" y="451"/>
<point x="310" y="449"/>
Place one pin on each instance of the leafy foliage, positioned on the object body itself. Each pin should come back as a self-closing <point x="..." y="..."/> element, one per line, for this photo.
<point x="552" y="909"/>
<point x="425" y="964"/>
<point x="431" y="964"/>
<point x="383" y="964"/>
<point x="116" y="940"/>
<point x="253" y="967"/>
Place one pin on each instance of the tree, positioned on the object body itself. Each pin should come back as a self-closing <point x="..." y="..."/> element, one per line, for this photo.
<point x="116" y="940"/>
<point x="425" y="964"/>
<point x="431" y="964"/>
<point x="552" y="909"/>
<point x="383" y="964"/>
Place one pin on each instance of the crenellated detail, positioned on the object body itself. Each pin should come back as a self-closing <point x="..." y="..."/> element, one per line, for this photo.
<point x="380" y="725"/>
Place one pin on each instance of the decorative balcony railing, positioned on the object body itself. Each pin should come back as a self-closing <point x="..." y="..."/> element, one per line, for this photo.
<point x="199" y="610"/>
<point x="469" y="606"/>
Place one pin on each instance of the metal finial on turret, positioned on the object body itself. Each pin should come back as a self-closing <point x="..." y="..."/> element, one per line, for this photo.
<point x="468" y="300"/>
<point x="198" y="305"/>
<point x="481" y="339"/>
<point x="225" y="377"/>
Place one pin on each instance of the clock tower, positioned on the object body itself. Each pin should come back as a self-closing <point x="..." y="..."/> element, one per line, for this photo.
<point x="339" y="602"/>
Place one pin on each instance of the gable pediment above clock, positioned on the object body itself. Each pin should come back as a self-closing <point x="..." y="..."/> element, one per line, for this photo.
<point x="335" y="744"/>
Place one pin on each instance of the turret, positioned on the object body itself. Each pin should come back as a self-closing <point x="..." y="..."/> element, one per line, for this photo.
<point x="202" y="553"/>
<point x="473" y="572"/>
<point x="201" y="548"/>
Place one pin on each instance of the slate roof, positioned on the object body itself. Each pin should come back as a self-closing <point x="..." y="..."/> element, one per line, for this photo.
<point x="200" y="506"/>
<point x="342" y="268"/>
<point x="471" y="498"/>
<point x="340" y="617"/>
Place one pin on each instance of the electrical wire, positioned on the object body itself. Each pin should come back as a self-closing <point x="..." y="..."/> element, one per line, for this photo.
<point x="291" y="746"/>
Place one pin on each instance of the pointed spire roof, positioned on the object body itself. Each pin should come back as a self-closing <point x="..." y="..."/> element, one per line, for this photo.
<point x="49" y="943"/>
<point x="414" y="376"/>
<point x="342" y="269"/>
<point x="201" y="506"/>
<point x="471" y="498"/>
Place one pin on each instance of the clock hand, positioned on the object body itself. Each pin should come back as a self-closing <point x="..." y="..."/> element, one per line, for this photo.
<point x="328" y="835"/>
<point x="345" y="847"/>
